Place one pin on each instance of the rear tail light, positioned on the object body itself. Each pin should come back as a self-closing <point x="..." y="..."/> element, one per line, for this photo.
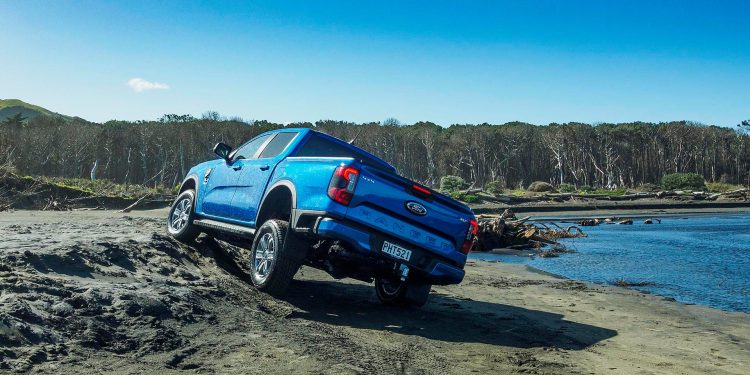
<point x="470" y="233"/>
<point x="421" y="191"/>
<point x="343" y="181"/>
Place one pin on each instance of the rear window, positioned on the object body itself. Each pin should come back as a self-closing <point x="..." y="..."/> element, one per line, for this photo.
<point x="322" y="147"/>
<point x="318" y="146"/>
<point x="277" y="145"/>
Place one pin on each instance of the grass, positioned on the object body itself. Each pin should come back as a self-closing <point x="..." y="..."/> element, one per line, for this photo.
<point x="4" y="103"/>
<point x="613" y="192"/>
<point x="721" y="187"/>
<point x="516" y="192"/>
<point x="104" y="188"/>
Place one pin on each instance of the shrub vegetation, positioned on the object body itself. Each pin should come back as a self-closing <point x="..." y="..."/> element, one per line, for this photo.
<point x="540" y="187"/>
<point x="495" y="187"/>
<point x="463" y="197"/>
<point x="683" y="181"/>
<point x="566" y="188"/>
<point x="648" y="187"/>
<point x="721" y="187"/>
<point x="451" y="183"/>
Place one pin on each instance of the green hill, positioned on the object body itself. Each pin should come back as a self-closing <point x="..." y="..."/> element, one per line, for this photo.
<point x="12" y="107"/>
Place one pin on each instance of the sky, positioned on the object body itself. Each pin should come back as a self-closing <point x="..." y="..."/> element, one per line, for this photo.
<point x="441" y="61"/>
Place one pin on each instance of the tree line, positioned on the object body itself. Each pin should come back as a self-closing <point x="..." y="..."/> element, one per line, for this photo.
<point x="513" y="154"/>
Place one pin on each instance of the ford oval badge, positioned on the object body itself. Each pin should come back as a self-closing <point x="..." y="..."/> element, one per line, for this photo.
<point x="416" y="208"/>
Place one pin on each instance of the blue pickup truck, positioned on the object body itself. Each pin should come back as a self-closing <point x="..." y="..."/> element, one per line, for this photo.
<point x="300" y="197"/>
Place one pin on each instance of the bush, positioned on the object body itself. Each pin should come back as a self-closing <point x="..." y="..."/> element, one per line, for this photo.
<point x="495" y="187"/>
<point x="105" y="187"/>
<point x="451" y="183"/>
<point x="470" y="198"/>
<point x="648" y="187"/>
<point x="566" y="188"/>
<point x="721" y="187"/>
<point x="540" y="187"/>
<point x="585" y="188"/>
<point x="683" y="181"/>
<point x="463" y="197"/>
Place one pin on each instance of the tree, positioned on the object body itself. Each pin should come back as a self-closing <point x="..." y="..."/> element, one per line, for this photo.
<point x="515" y="153"/>
<point x="15" y="121"/>
<point x="744" y="125"/>
<point x="391" y="121"/>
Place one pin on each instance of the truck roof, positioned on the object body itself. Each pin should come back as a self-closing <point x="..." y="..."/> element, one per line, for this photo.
<point x="372" y="159"/>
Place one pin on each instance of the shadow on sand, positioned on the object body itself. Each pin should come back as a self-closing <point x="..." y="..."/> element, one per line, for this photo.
<point x="444" y="318"/>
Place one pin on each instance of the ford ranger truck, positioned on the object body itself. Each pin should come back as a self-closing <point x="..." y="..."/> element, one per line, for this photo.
<point x="300" y="197"/>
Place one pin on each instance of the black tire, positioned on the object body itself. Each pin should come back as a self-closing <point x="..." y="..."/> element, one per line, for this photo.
<point x="182" y="227"/>
<point x="274" y="277"/>
<point x="394" y="292"/>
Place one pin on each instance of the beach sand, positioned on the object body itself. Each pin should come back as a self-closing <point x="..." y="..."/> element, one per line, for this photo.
<point x="101" y="291"/>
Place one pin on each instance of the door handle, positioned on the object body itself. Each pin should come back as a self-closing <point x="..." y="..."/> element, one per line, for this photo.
<point x="237" y="167"/>
<point x="265" y="167"/>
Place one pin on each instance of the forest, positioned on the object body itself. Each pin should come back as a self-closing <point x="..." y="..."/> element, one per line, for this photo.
<point x="160" y="152"/>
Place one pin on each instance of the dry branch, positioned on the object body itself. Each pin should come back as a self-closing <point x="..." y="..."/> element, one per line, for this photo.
<point x="134" y="205"/>
<point x="506" y="231"/>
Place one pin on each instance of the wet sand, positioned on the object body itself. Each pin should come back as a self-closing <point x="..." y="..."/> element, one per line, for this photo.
<point x="101" y="291"/>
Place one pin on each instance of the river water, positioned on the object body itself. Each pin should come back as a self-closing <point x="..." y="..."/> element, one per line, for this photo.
<point x="697" y="260"/>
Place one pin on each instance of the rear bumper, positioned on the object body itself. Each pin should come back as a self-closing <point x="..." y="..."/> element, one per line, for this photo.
<point x="435" y="269"/>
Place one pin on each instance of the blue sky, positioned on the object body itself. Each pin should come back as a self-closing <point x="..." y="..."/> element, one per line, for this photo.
<point x="442" y="61"/>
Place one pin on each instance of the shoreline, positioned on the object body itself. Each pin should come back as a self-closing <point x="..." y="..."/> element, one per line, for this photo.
<point x="643" y="208"/>
<point x="671" y="289"/>
<point x="607" y="284"/>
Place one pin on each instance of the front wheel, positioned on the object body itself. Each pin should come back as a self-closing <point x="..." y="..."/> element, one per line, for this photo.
<point x="394" y="292"/>
<point x="273" y="257"/>
<point x="180" y="220"/>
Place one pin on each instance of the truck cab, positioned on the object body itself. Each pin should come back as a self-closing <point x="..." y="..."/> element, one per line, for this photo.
<point x="300" y="197"/>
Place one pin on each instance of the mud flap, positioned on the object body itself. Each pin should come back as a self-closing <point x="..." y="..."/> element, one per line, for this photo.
<point x="417" y="293"/>
<point x="298" y="248"/>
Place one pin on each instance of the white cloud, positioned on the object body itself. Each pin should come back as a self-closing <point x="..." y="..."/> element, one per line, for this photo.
<point x="140" y="84"/>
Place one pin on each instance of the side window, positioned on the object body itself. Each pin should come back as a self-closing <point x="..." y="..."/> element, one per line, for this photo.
<point x="248" y="150"/>
<point x="277" y="145"/>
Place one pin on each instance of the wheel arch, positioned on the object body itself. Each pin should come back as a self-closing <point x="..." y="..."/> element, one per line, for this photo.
<point x="277" y="203"/>
<point x="189" y="182"/>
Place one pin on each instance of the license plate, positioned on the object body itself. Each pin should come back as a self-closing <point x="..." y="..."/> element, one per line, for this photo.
<point x="396" y="251"/>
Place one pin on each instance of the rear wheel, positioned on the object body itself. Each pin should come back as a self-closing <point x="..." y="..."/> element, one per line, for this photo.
<point x="394" y="292"/>
<point x="180" y="219"/>
<point x="274" y="257"/>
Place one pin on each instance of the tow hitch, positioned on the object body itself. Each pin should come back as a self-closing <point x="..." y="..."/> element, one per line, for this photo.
<point x="404" y="271"/>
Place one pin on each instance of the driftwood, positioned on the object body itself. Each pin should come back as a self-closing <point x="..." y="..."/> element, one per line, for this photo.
<point x="497" y="198"/>
<point x="56" y="205"/>
<point x="135" y="204"/>
<point x="739" y="193"/>
<point x="507" y="231"/>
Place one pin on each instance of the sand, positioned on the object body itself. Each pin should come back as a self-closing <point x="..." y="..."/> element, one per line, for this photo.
<point x="101" y="291"/>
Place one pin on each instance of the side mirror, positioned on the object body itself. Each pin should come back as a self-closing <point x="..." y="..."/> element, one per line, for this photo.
<point x="223" y="150"/>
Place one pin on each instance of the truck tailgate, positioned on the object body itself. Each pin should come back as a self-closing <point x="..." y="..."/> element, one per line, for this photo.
<point x="380" y="201"/>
